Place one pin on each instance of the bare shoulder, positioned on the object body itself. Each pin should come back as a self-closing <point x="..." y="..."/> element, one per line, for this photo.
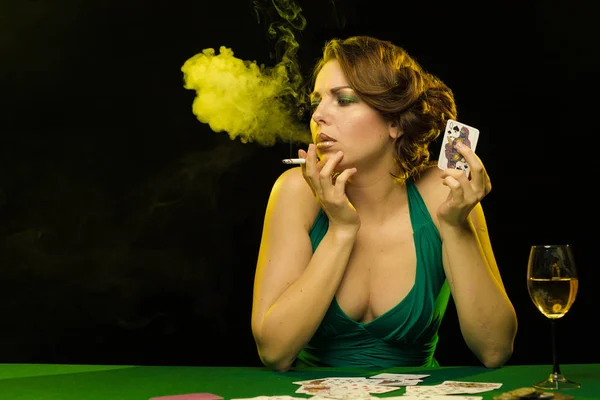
<point x="434" y="192"/>
<point x="292" y="196"/>
<point x="430" y="185"/>
<point x="292" y="180"/>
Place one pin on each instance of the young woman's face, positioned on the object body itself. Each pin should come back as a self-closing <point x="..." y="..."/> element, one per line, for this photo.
<point x="342" y="121"/>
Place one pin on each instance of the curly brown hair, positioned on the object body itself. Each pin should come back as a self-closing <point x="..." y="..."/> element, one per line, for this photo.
<point x="389" y="80"/>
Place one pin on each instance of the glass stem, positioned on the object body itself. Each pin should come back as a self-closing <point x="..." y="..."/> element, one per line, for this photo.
<point x="555" y="367"/>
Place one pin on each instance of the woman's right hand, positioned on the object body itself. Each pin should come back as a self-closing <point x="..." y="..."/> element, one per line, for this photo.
<point x="330" y="194"/>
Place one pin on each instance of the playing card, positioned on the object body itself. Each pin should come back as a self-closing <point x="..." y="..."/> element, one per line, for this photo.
<point x="281" y="397"/>
<point x="343" y="387"/>
<point x="326" y="390"/>
<point x="346" y="396"/>
<point x="189" y="396"/>
<point x="314" y="389"/>
<point x="333" y="392"/>
<point x="454" y="133"/>
<point x="387" y="379"/>
<point x="369" y="388"/>
<point x="333" y="380"/>
<point x="387" y="375"/>
<point x="311" y="382"/>
<point x="396" y="382"/>
<point x="435" y="397"/>
<point x="471" y="387"/>
<point x="452" y="387"/>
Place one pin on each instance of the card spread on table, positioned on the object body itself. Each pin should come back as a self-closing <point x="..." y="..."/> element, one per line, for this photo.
<point x="457" y="132"/>
<point x="399" y="376"/>
<point x="363" y="388"/>
<point x="342" y="388"/>
<point x="271" y="398"/>
<point x="189" y="396"/>
<point x="435" y="397"/>
<point x="452" y="387"/>
<point x="387" y="379"/>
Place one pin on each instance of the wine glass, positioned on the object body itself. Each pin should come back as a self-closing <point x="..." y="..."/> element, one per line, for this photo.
<point x="552" y="284"/>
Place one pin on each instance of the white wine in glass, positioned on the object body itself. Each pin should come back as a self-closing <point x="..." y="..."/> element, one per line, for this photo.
<point x="552" y="284"/>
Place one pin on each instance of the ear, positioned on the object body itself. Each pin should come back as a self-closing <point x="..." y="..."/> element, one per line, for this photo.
<point x="394" y="129"/>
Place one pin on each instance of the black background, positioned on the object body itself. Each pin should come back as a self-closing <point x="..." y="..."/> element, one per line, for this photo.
<point x="129" y="230"/>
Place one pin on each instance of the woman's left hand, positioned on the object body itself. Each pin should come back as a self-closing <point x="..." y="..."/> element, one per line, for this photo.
<point x="464" y="193"/>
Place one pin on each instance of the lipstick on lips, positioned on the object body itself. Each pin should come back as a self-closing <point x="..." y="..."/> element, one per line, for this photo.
<point x="324" y="141"/>
<point x="325" y="144"/>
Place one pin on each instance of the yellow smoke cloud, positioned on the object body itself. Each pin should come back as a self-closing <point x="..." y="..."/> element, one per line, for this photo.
<point x="242" y="98"/>
<point x="250" y="102"/>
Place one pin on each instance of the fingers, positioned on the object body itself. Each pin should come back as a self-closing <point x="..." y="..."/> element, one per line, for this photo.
<point x="478" y="180"/>
<point x="327" y="170"/>
<point x="310" y="165"/>
<point x="453" y="182"/>
<point x="303" y="154"/>
<point x="457" y="174"/>
<point x="479" y="175"/>
<point x="319" y="174"/>
<point x="340" y="182"/>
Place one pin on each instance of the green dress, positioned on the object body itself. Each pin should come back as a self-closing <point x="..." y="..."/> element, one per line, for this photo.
<point x="407" y="334"/>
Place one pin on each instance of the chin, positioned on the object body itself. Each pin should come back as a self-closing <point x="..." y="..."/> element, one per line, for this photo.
<point x="341" y="167"/>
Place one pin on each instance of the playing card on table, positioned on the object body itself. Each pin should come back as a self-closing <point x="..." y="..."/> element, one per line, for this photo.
<point x="471" y="387"/>
<point x="342" y="388"/>
<point x="454" y="133"/>
<point x="189" y="396"/>
<point x="332" y="380"/>
<point x="282" y="397"/>
<point x="388" y="379"/>
<point x="387" y="375"/>
<point x="337" y="393"/>
<point x="435" y="397"/>
<point x="346" y="396"/>
<point x="452" y="387"/>
<point x="396" y="382"/>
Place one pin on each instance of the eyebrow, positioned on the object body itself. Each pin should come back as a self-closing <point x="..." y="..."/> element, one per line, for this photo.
<point x="333" y="90"/>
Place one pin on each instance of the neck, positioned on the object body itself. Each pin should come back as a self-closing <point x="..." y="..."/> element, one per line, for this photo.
<point x="375" y="195"/>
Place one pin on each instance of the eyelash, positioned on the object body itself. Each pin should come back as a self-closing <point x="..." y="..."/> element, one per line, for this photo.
<point x="341" y="100"/>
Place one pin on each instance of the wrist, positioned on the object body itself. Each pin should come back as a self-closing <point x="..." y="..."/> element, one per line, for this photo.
<point x="343" y="232"/>
<point x="456" y="230"/>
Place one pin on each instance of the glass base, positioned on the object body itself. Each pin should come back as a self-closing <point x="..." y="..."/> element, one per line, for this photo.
<point x="556" y="382"/>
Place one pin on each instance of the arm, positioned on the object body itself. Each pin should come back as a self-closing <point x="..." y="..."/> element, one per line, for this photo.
<point x="487" y="318"/>
<point x="293" y="288"/>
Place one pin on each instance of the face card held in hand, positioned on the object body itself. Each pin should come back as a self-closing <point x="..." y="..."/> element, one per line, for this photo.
<point x="454" y="133"/>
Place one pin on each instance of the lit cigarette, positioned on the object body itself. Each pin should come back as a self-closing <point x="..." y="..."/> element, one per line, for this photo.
<point x="293" y="161"/>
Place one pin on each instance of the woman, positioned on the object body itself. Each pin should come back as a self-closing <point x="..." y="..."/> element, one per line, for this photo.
<point x="363" y="244"/>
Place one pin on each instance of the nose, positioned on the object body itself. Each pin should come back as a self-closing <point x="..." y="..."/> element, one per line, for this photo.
<point x="320" y="114"/>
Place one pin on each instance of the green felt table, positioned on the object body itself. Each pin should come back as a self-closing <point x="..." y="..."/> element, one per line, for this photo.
<point x="106" y="382"/>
